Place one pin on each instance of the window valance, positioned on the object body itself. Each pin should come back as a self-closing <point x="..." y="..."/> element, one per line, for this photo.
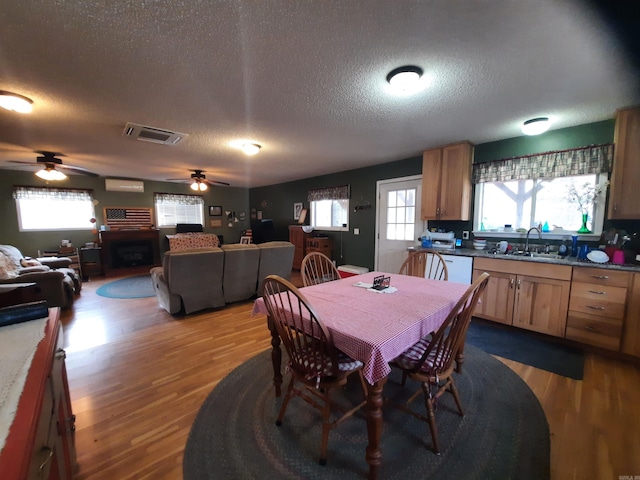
<point x="575" y="161"/>
<point x="20" y="192"/>
<point x="330" y="193"/>
<point x="178" y="199"/>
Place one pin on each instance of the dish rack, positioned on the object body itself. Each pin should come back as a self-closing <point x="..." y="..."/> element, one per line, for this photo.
<point x="443" y="240"/>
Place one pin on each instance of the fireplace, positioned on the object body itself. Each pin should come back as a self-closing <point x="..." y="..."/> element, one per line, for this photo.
<point x="129" y="251"/>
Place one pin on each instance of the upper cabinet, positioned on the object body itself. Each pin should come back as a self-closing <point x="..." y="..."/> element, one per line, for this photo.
<point x="446" y="182"/>
<point x="624" y="199"/>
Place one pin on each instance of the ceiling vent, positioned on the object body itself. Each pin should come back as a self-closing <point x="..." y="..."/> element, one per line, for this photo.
<point x="152" y="134"/>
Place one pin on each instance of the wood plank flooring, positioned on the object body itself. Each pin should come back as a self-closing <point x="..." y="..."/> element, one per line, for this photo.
<point x="139" y="376"/>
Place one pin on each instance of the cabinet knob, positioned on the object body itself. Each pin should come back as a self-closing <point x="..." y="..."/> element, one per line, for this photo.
<point x="593" y="307"/>
<point x="597" y="293"/>
<point x="60" y="353"/>
<point x="600" y="277"/>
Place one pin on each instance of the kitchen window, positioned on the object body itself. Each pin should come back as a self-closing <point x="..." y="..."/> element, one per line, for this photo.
<point x="534" y="190"/>
<point x="172" y="208"/>
<point x="527" y="203"/>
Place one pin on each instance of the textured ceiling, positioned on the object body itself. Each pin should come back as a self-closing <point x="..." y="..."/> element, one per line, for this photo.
<point x="305" y="79"/>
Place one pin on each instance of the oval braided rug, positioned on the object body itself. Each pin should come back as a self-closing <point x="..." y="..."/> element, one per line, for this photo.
<point x="504" y="433"/>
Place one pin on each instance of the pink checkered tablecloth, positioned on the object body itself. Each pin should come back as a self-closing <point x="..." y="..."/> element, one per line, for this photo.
<point x="376" y="327"/>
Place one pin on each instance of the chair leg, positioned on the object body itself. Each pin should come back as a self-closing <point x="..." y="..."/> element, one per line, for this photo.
<point x="285" y="402"/>
<point x="326" y="427"/>
<point x="456" y="396"/>
<point x="431" y="417"/>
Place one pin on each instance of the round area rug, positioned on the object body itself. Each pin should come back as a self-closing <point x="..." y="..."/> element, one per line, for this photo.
<point x="130" y="287"/>
<point x="504" y="433"/>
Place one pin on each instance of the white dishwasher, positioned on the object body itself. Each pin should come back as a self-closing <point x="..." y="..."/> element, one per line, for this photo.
<point x="459" y="268"/>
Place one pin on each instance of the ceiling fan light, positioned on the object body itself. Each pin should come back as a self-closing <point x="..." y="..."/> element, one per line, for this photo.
<point x="251" y="148"/>
<point x="405" y="79"/>
<point x="50" y="174"/>
<point x="198" y="186"/>
<point x="536" y="126"/>
<point x="15" y="102"/>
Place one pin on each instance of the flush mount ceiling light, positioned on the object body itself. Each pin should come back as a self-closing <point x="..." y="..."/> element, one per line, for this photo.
<point x="405" y="79"/>
<point x="250" y="148"/>
<point x="198" y="185"/>
<point x="50" y="173"/>
<point x="536" y="126"/>
<point x="15" y="102"/>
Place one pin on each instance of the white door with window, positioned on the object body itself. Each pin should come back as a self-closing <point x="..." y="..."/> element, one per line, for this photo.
<point x="398" y="223"/>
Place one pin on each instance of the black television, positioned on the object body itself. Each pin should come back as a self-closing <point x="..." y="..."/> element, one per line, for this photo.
<point x="262" y="230"/>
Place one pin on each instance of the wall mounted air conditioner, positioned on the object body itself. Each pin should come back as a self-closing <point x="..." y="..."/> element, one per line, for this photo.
<point x="123" y="185"/>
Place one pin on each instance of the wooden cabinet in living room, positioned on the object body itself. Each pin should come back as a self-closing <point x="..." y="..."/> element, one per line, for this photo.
<point x="299" y="239"/>
<point x="526" y="295"/>
<point x="446" y="182"/>
<point x="41" y="440"/>
<point x="624" y="196"/>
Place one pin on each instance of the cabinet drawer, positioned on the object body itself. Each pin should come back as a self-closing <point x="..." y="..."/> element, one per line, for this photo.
<point x="601" y="276"/>
<point x="601" y="300"/>
<point x="594" y="330"/>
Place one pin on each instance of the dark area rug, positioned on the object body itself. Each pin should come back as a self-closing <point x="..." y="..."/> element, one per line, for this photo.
<point x="527" y="348"/>
<point x="503" y="435"/>
<point x="130" y="287"/>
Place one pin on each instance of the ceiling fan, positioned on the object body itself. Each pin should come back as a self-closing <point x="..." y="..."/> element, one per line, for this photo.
<point x="52" y="167"/>
<point x="199" y="181"/>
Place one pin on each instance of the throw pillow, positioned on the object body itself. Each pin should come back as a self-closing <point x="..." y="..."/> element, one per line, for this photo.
<point x="29" y="262"/>
<point x="7" y="268"/>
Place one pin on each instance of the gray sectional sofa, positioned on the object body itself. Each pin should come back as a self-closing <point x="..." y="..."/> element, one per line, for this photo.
<point x="198" y="278"/>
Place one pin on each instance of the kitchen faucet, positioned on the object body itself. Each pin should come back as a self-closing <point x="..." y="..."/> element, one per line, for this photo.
<point x="526" y="247"/>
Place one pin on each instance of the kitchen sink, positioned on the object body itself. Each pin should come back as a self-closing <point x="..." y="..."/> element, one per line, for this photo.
<point x="521" y="253"/>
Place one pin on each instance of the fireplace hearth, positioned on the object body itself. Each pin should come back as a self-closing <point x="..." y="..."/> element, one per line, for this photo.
<point x="129" y="251"/>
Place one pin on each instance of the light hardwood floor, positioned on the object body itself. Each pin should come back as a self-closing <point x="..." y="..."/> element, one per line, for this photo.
<point x="139" y="376"/>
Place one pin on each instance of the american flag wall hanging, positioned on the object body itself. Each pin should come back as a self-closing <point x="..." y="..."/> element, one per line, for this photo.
<point x="122" y="218"/>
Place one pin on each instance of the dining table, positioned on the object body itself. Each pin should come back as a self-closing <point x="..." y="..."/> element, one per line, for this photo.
<point x="374" y="327"/>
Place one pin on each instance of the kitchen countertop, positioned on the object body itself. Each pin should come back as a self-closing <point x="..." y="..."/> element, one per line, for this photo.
<point x="570" y="261"/>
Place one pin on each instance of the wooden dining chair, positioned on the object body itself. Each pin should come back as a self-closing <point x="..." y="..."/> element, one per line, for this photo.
<point x="318" y="268"/>
<point x="425" y="264"/>
<point x="431" y="360"/>
<point x="314" y="362"/>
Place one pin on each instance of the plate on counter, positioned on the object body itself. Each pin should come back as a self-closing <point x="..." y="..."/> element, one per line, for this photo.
<point x="598" y="256"/>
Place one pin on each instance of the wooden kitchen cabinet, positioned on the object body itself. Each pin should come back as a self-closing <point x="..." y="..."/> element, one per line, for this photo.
<point x="631" y="333"/>
<point x="446" y="182"/>
<point x="624" y="195"/>
<point x="322" y="245"/>
<point x="526" y="295"/>
<point x="597" y="306"/>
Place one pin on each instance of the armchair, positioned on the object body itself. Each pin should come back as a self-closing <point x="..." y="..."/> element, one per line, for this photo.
<point x="28" y="265"/>
<point x="55" y="286"/>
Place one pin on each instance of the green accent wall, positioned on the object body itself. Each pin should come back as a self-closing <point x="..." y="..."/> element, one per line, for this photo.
<point x="230" y="198"/>
<point x="554" y="140"/>
<point x="276" y="201"/>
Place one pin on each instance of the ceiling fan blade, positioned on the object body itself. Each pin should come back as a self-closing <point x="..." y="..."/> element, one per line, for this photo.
<point x="80" y="170"/>
<point x="68" y="168"/>
<point x="216" y="182"/>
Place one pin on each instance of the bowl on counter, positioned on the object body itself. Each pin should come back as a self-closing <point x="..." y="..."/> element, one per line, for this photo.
<point x="479" y="244"/>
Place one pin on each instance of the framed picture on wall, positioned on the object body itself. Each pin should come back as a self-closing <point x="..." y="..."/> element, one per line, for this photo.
<point x="215" y="223"/>
<point x="253" y="213"/>
<point x="242" y="215"/>
<point x="297" y="209"/>
<point x="215" y="210"/>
